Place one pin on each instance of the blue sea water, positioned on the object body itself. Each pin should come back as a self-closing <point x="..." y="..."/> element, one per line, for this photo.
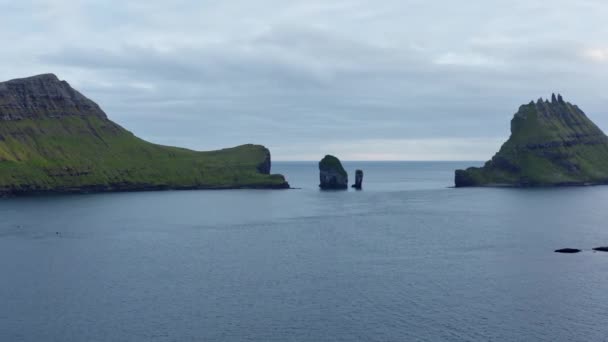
<point x="406" y="259"/>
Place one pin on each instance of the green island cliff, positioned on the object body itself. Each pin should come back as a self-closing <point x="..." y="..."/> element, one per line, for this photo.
<point x="55" y="140"/>
<point x="552" y="143"/>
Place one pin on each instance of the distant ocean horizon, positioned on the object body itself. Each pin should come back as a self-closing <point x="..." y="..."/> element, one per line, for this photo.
<point x="380" y="161"/>
<point x="378" y="175"/>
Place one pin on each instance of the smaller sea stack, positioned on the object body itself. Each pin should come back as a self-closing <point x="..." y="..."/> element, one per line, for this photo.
<point x="358" y="180"/>
<point x="332" y="175"/>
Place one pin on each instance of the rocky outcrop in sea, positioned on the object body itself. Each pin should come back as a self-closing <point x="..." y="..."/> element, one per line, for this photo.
<point x="358" y="180"/>
<point x="332" y="175"/>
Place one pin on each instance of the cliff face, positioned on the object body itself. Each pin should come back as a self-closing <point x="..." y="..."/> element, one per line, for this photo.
<point x="54" y="139"/>
<point x="265" y="165"/>
<point x="43" y="96"/>
<point x="552" y="143"/>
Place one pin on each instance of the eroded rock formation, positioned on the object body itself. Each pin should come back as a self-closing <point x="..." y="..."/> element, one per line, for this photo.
<point x="331" y="174"/>
<point x="358" y="180"/>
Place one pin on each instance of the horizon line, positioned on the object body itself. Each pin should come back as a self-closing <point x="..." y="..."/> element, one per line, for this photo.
<point x="382" y="161"/>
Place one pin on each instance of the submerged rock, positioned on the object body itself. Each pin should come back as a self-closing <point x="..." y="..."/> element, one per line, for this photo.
<point x="331" y="174"/>
<point x="601" y="249"/>
<point x="568" y="250"/>
<point x="551" y="144"/>
<point x="358" y="180"/>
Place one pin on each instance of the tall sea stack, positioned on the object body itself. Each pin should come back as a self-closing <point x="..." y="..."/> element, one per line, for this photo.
<point x="358" y="180"/>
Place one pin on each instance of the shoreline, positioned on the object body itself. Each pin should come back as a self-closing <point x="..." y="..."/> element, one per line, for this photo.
<point x="144" y="188"/>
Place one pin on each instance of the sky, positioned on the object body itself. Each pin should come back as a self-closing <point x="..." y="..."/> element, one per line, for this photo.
<point x="361" y="79"/>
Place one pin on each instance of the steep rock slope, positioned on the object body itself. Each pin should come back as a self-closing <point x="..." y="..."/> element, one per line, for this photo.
<point x="552" y="143"/>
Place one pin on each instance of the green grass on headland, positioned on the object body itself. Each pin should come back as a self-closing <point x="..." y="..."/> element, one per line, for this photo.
<point x="80" y="153"/>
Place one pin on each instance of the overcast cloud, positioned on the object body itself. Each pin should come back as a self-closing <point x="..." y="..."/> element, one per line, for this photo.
<point x="362" y="79"/>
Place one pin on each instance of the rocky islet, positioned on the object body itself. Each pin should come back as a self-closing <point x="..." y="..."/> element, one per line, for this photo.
<point x="552" y="143"/>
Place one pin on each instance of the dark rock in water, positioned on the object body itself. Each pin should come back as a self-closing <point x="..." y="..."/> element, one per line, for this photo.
<point x="358" y="180"/>
<point x="552" y="143"/>
<point x="331" y="174"/>
<point x="568" y="250"/>
<point x="601" y="249"/>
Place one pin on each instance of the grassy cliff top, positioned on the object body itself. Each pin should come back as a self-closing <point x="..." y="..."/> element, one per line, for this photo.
<point x="331" y="163"/>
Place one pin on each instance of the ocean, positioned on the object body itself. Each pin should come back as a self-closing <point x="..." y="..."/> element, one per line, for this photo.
<point x="408" y="258"/>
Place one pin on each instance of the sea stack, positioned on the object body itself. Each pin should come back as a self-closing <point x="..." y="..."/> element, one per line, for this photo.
<point x="552" y="143"/>
<point x="331" y="174"/>
<point x="358" y="180"/>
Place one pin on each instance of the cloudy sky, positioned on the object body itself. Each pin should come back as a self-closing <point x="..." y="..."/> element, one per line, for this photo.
<point x="362" y="79"/>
